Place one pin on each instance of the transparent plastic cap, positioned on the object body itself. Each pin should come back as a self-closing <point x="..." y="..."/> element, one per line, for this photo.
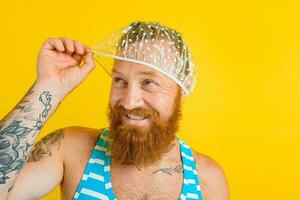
<point x="153" y="45"/>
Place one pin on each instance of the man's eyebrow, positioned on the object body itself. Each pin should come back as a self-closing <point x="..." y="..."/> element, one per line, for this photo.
<point x="140" y="73"/>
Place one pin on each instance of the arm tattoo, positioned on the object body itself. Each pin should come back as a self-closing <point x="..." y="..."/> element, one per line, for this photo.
<point x="22" y="105"/>
<point x="43" y="147"/>
<point x="10" y="148"/>
<point x="45" y="98"/>
<point x="17" y="130"/>
<point x="170" y="170"/>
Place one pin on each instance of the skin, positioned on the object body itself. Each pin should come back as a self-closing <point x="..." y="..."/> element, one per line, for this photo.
<point x="58" y="73"/>
<point x="133" y="88"/>
<point x="53" y="157"/>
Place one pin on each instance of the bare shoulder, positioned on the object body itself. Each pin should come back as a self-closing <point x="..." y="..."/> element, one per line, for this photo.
<point x="80" y="134"/>
<point x="77" y="138"/>
<point x="213" y="182"/>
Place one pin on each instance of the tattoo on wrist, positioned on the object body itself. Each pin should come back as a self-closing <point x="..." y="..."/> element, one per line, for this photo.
<point x="45" y="98"/>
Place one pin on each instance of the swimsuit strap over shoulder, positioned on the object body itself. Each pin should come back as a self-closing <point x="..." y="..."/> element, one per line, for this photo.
<point x="95" y="183"/>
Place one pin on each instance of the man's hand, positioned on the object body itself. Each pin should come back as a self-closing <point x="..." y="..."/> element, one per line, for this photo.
<point x="59" y="64"/>
<point x="59" y="72"/>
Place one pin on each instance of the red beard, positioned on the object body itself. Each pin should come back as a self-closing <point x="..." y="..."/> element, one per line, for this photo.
<point x="142" y="146"/>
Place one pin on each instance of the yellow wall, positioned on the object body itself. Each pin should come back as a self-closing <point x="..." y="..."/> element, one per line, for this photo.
<point x="245" y="109"/>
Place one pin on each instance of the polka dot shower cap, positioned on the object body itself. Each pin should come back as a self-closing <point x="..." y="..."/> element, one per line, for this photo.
<point x="153" y="45"/>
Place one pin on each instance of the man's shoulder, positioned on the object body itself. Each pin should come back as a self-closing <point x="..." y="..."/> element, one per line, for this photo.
<point x="72" y="139"/>
<point x="80" y="135"/>
<point x="81" y="132"/>
<point x="206" y="163"/>
<point x="211" y="176"/>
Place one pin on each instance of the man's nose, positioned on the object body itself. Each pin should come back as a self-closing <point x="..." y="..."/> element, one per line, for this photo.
<point x="131" y="97"/>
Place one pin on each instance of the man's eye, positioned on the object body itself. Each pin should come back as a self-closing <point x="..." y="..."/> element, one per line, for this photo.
<point x="149" y="83"/>
<point x="118" y="79"/>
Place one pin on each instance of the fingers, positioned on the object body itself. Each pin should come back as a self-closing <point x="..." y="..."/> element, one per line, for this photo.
<point x="89" y="64"/>
<point x="75" y="49"/>
<point x="79" y="48"/>
<point x="55" y="44"/>
<point x="69" y="45"/>
<point x="87" y="49"/>
<point x="66" y="45"/>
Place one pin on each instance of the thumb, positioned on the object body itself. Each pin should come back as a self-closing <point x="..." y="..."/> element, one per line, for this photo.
<point x="88" y="65"/>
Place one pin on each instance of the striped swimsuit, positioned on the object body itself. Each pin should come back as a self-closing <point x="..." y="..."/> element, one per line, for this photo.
<point x="96" y="184"/>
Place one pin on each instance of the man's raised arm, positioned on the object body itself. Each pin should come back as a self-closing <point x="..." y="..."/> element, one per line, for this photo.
<point x="58" y="73"/>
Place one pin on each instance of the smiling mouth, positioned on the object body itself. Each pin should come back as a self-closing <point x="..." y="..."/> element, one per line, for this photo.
<point x="135" y="117"/>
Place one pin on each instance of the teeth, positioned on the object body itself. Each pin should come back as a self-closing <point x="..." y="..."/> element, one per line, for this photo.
<point x="135" y="117"/>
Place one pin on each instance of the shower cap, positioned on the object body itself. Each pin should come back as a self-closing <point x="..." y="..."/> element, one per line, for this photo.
<point x="150" y="44"/>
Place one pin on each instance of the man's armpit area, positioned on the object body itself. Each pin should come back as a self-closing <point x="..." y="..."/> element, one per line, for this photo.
<point x="47" y="145"/>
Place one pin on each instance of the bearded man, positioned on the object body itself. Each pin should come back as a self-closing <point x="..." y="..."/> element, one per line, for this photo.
<point x="139" y="155"/>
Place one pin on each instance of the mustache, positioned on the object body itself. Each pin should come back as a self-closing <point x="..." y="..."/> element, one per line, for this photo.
<point x="149" y="113"/>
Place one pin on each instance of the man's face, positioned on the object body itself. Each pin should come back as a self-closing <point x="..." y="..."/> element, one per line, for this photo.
<point x="144" y="111"/>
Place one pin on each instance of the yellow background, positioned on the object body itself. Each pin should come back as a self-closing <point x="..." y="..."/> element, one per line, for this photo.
<point x="245" y="109"/>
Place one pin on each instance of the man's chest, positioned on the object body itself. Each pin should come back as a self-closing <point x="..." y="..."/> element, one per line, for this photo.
<point x="161" y="183"/>
<point x="164" y="182"/>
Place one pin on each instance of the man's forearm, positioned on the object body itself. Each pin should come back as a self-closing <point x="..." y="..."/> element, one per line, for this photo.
<point x="19" y="130"/>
